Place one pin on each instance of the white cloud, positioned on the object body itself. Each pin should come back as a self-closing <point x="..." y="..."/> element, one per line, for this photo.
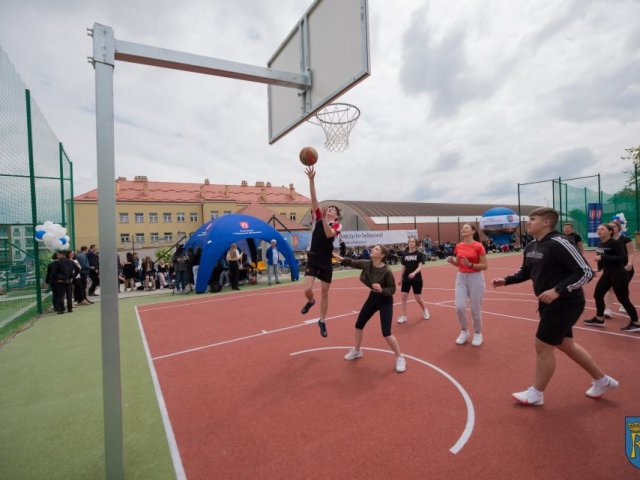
<point x="466" y="99"/>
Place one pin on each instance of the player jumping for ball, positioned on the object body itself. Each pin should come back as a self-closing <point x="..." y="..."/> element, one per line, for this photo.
<point x="320" y="255"/>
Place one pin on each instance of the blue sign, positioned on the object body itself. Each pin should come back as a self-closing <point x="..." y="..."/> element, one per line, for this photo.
<point x="594" y="218"/>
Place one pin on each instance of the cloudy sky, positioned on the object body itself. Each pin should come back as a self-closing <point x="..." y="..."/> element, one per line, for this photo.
<point x="465" y="100"/>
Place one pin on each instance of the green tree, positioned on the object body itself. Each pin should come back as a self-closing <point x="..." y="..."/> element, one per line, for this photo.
<point x="632" y="154"/>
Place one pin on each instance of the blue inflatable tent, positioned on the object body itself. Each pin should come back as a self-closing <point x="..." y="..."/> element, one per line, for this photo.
<point x="215" y="237"/>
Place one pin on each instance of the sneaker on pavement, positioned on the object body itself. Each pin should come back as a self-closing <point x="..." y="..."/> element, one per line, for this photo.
<point x="477" y="339"/>
<point x="462" y="338"/>
<point x="597" y="390"/>
<point x="425" y="314"/>
<point x="594" y="322"/>
<point x="401" y="364"/>
<point x="353" y="354"/>
<point x="307" y="306"/>
<point x="529" y="397"/>
<point x="632" y="327"/>
<point x="323" y="328"/>
<point x="608" y="313"/>
<point x="402" y="319"/>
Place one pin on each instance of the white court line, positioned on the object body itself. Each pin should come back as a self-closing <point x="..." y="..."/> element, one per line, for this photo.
<point x="471" y="416"/>
<point x="537" y="320"/>
<point x="228" y="297"/>
<point x="171" y="439"/>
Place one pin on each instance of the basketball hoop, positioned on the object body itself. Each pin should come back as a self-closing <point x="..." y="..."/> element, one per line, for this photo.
<point x="337" y="120"/>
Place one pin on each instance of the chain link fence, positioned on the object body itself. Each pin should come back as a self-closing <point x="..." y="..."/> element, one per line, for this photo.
<point x="36" y="184"/>
<point x="578" y="199"/>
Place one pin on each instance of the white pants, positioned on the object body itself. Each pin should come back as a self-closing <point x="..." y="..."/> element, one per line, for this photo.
<point x="470" y="286"/>
<point x="274" y="269"/>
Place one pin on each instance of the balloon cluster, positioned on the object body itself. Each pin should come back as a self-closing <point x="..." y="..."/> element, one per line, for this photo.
<point x="54" y="236"/>
<point x="622" y="221"/>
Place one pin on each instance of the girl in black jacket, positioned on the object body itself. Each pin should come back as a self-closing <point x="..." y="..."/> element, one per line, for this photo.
<point x="612" y="257"/>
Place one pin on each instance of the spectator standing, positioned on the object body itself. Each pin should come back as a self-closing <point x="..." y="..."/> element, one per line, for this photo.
<point x="84" y="270"/>
<point x="273" y="257"/>
<point x="181" y="265"/>
<point x="93" y="257"/>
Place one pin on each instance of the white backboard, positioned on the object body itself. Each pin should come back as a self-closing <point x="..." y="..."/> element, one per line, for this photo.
<point x="331" y="44"/>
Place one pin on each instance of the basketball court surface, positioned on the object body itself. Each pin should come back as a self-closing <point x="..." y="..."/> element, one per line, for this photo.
<point x="249" y="388"/>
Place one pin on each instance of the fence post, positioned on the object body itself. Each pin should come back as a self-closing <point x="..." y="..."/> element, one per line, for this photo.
<point x="72" y="209"/>
<point x="34" y="212"/>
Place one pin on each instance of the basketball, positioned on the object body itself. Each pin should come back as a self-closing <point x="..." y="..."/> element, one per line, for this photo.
<point x="308" y="156"/>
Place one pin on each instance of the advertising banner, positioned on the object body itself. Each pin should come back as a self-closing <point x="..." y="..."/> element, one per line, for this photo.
<point x="594" y="218"/>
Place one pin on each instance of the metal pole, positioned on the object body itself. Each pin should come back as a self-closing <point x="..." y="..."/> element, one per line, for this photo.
<point x="64" y="220"/>
<point x="104" y="60"/>
<point x="635" y="181"/>
<point x="438" y="220"/>
<point x="34" y="212"/>
<point x="560" y="196"/>
<point x="72" y="209"/>
<point x="519" y="213"/>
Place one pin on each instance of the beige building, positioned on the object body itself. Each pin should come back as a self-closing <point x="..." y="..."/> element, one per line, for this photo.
<point x="150" y="215"/>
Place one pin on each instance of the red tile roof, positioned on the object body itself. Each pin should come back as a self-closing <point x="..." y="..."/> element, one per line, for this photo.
<point x="266" y="215"/>
<point x="141" y="190"/>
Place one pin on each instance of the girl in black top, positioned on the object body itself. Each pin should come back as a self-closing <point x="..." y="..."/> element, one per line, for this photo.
<point x="628" y="244"/>
<point x="411" y="278"/>
<point x="612" y="258"/>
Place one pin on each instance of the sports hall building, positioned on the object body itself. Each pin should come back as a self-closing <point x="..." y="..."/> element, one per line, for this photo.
<point x="440" y="221"/>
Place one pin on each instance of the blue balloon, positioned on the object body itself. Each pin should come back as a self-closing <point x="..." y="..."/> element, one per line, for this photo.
<point x="40" y="234"/>
<point x="63" y="240"/>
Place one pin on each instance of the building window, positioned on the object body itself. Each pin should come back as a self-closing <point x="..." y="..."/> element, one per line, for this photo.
<point x="214" y="214"/>
<point x="139" y="217"/>
<point x="181" y="236"/>
<point x="16" y="232"/>
<point x="153" y="218"/>
<point x="154" y="237"/>
<point x="180" y="217"/>
<point x="139" y="237"/>
<point x="227" y="212"/>
<point x="124" y="217"/>
<point x="124" y="238"/>
<point x="284" y="214"/>
<point x="168" y="237"/>
<point x="166" y="217"/>
<point x="193" y="217"/>
<point x="292" y="216"/>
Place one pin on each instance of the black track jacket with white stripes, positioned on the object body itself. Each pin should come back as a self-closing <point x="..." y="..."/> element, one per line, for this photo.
<point x="553" y="262"/>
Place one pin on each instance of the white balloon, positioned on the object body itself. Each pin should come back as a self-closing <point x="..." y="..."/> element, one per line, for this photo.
<point x="47" y="225"/>
<point x="40" y="227"/>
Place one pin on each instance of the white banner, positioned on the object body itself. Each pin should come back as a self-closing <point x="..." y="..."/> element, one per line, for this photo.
<point x="356" y="238"/>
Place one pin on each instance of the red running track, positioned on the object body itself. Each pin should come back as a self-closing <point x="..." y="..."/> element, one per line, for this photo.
<point x="251" y="390"/>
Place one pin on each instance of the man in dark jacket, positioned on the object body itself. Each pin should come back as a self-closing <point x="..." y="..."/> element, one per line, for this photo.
<point x="558" y="272"/>
<point x="94" y="269"/>
<point x="61" y="276"/>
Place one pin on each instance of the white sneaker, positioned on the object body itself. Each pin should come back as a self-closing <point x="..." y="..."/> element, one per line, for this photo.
<point x="462" y="338"/>
<point x="622" y="310"/>
<point x="608" y="313"/>
<point x="353" y="354"/>
<point x="597" y="391"/>
<point x="426" y="315"/>
<point x="477" y="340"/>
<point x="401" y="364"/>
<point x="402" y="319"/>
<point x="529" y="397"/>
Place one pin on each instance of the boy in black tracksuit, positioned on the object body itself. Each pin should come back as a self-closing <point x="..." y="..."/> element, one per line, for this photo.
<point x="558" y="272"/>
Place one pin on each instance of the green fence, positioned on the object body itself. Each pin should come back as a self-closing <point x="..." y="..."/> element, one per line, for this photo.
<point x="618" y="193"/>
<point x="36" y="184"/>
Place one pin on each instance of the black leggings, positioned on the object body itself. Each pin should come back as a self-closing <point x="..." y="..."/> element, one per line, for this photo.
<point x="376" y="302"/>
<point x="618" y="279"/>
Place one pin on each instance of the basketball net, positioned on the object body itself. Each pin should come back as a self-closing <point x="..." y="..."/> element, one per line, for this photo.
<point x="337" y="120"/>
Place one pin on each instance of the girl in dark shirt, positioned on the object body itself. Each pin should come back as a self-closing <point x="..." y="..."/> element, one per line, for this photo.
<point x="612" y="258"/>
<point x="377" y="276"/>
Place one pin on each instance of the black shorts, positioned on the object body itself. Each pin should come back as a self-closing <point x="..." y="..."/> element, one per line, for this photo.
<point x="320" y="273"/>
<point x="556" y="320"/>
<point x="415" y="283"/>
